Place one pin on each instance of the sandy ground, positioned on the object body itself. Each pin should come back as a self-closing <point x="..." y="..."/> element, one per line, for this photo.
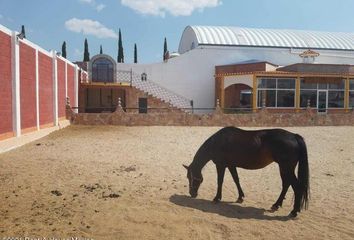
<point x="129" y="183"/>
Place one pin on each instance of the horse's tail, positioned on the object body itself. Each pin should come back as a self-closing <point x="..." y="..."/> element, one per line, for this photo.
<point x="303" y="172"/>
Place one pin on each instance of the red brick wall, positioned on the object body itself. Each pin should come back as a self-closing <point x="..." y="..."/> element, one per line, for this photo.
<point x="28" y="86"/>
<point x="6" y="84"/>
<point x="45" y="70"/>
<point x="61" y="88"/>
<point x="71" y="85"/>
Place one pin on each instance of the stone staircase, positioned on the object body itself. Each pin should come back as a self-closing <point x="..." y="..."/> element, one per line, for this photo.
<point x="155" y="90"/>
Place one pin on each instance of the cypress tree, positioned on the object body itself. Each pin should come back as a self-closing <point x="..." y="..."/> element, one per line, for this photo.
<point x="135" y="54"/>
<point x="120" y="58"/>
<point x="164" y="49"/>
<point x="86" y="52"/>
<point x="63" y="50"/>
<point x="101" y="51"/>
<point x="23" y="32"/>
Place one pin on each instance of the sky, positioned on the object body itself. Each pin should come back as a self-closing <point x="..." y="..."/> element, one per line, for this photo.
<point x="147" y="22"/>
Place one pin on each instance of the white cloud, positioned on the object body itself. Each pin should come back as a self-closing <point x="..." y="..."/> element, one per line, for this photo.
<point x="98" y="6"/>
<point x="90" y="27"/>
<point x="174" y="7"/>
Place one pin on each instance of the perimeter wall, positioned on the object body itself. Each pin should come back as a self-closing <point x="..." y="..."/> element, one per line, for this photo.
<point x="34" y="85"/>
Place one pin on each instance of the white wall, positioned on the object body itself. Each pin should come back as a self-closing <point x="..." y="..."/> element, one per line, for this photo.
<point x="192" y="74"/>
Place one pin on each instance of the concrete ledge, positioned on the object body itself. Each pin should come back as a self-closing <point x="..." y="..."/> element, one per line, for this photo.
<point x="15" y="142"/>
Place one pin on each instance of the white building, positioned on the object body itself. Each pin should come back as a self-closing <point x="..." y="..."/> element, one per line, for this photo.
<point x="201" y="48"/>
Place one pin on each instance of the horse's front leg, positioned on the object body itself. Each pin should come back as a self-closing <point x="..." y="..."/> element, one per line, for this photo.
<point x="221" y="173"/>
<point x="234" y="174"/>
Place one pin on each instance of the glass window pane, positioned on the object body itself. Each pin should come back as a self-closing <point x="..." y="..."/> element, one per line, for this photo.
<point x="322" y="86"/>
<point x="268" y="96"/>
<point x="335" y="99"/>
<point x="285" y="98"/>
<point x="307" y="84"/>
<point x="288" y="83"/>
<point x="266" y="83"/>
<point x="351" y="99"/>
<point x="337" y="85"/>
<point x="351" y="84"/>
<point x="308" y="95"/>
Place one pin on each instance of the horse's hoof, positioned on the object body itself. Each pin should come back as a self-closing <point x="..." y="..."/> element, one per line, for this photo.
<point x="274" y="208"/>
<point x="293" y="214"/>
<point x="240" y="200"/>
<point x="216" y="200"/>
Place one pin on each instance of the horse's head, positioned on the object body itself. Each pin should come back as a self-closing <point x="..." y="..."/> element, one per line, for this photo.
<point x="194" y="181"/>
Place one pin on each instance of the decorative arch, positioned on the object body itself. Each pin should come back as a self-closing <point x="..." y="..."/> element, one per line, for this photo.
<point x="238" y="95"/>
<point x="102" y="68"/>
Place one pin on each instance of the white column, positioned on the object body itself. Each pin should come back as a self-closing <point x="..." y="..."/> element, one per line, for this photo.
<point x="55" y="88"/>
<point x="76" y="89"/>
<point x="66" y="79"/>
<point x="16" y="104"/>
<point x="37" y="89"/>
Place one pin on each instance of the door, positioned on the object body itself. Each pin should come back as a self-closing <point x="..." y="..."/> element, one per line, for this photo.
<point x="322" y="101"/>
<point x="142" y="105"/>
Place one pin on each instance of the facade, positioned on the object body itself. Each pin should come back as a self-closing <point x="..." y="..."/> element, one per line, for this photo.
<point x="106" y="86"/>
<point x="201" y="48"/>
<point x="324" y="87"/>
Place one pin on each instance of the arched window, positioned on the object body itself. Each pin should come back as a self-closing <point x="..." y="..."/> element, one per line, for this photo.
<point x="102" y="70"/>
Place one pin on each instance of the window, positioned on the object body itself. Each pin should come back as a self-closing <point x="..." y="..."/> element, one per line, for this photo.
<point x="276" y="92"/>
<point x="309" y="89"/>
<point x="335" y="99"/>
<point x="351" y="93"/>
<point x="102" y="70"/>
<point x="308" y="97"/>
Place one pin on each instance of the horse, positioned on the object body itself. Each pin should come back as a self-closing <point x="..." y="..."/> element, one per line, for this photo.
<point x="231" y="147"/>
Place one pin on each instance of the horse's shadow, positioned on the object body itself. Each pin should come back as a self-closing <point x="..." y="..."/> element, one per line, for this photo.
<point x="226" y="209"/>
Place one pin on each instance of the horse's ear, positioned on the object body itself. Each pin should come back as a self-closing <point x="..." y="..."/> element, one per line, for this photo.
<point x="186" y="167"/>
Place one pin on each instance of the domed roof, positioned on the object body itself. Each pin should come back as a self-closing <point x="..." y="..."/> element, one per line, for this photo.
<point x="194" y="36"/>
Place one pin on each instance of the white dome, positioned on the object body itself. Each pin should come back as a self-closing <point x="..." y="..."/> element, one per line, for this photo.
<point x="194" y="36"/>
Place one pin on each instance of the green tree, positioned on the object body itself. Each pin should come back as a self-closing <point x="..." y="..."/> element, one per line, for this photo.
<point x="120" y="58"/>
<point x="101" y="51"/>
<point x="86" y="52"/>
<point x="23" y="32"/>
<point x="135" y="54"/>
<point x="63" y="49"/>
<point x="164" y="49"/>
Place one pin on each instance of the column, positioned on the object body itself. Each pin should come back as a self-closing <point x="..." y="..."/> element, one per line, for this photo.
<point x="254" y="94"/>
<point x="15" y="62"/>
<point x="55" y="88"/>
<point x="346" y="95"/>
<point x="37" y="89"/>
<point x="297" y="94"/>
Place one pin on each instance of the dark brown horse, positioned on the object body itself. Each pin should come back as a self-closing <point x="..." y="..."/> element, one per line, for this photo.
<point x="232" y="147"/>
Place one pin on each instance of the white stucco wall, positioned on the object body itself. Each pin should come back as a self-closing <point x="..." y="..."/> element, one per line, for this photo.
<point x="192" y="74"/>
<point x="243" y="79"/>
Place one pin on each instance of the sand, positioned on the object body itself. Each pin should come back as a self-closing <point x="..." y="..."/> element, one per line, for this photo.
<point x="129" y="183"/>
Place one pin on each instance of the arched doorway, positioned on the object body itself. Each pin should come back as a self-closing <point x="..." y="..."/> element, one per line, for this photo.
<point x="238" y="97"/>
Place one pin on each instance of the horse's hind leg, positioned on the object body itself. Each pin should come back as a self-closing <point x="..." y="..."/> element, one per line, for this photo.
<point x="234" y="174"/>
<point x="297" y="190"/>
<point x="285" y="186"/>
<point x="221" y="173"/>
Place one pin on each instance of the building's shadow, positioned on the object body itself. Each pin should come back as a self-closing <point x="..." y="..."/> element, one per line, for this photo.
<point x="226" y="209"/>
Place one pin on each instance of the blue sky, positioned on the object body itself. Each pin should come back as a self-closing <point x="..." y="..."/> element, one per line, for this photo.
<point x="146" y="22"/>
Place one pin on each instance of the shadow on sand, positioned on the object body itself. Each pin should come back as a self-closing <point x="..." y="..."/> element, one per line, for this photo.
<point x="226" y="209"/>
